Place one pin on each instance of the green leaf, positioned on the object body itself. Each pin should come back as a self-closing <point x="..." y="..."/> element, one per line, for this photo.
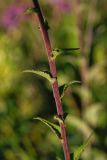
<point x="54" y="127"/>
<point x="46" y="24"/>
<point x="58" y="51"/>
<point x="31" y="10"/>
<point x="44" y="74"/>
<point x="77" y="153"/>
<point x="61" y="117"/>
<point x="64" y="87"/>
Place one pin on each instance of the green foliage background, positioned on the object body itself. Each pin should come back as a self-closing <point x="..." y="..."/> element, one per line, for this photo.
<point x="25" y="96"/>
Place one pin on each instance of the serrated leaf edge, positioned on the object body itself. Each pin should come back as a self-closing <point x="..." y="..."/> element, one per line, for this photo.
<point x="43" y="74"/>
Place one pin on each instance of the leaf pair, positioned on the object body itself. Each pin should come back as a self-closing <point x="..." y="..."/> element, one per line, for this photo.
<point x="47" y="75"/>
<point x="56" y="129"/>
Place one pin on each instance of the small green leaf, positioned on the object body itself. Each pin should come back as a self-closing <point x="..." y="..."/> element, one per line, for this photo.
<point x="54" y="127"/>
<point x="77" y="153"/>
<point x="44" y="74"/>
<point x="31" y="10"/>
<point x="61" y="117"/>
<point x="58" y="51"/>
<point x="46" y="24"/>
<point x="64" y="87"/>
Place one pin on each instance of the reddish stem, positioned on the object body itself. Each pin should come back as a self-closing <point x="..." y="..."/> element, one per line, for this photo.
<point x="54" y="75"/>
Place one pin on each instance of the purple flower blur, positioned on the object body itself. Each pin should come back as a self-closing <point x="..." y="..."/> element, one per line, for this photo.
<point x="63" y="5"/>
<point x="11" y="17"/>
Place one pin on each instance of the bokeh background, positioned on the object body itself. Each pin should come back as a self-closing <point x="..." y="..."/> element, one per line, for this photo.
<point x="73" y="23"/>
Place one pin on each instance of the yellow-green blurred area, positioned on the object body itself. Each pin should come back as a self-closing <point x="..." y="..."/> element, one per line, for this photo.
<point x="23" y="96"/>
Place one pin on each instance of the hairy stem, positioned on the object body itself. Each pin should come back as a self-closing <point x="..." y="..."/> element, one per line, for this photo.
<point x="55" y="88"/>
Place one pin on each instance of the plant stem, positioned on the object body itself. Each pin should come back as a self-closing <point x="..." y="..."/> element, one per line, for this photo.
<point x="54" y="83"/>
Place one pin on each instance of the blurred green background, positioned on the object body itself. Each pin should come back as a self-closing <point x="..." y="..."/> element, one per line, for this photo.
<point x="73" y="23"/>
